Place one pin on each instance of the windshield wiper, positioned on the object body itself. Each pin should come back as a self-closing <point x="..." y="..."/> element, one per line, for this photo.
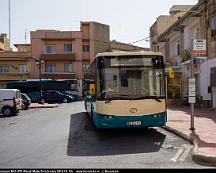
<point x="151" y="97"/>
<point x="110" y="98"/>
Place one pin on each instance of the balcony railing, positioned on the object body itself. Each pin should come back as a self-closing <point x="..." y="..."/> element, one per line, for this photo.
<point x="59" y="56"/>
<point x="58" y="52"/>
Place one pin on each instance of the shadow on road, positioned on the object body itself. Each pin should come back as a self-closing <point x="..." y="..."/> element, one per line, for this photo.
<point x="85" y="140"/>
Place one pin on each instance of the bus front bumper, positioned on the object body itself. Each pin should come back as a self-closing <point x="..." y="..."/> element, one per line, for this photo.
<point x="109" y="121"/>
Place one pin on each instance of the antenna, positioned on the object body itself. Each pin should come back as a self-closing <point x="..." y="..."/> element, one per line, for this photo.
<point x="25" y="35"/>
<point x="9" y="22"/>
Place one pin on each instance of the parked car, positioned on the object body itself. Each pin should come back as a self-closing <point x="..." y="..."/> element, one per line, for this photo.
<point x="26" y="101"/>
<point x="75" y="96"/>
<point x="55" y="96"/>
<point x="34" y="96"/>
<point x="67" y="93"/>
<point x="10" y="101"/>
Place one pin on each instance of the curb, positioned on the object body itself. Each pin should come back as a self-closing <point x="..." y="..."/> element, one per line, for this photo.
<point x="200" y="158"/>
<point x="38" y="107"/>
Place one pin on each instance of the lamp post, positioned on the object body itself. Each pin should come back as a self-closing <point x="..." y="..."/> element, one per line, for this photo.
<point x="39" y="63"/>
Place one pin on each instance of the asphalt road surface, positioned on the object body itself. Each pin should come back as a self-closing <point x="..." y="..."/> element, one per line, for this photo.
<point x="64" y="137"/>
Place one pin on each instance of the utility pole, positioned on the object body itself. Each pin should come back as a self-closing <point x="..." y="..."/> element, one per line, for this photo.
<point x="9" y="17"/>
<point x="25" y="35"/>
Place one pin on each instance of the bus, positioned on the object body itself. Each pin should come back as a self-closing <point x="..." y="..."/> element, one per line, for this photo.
<point x="33" y="87"/>
<point x="128" y="90"/>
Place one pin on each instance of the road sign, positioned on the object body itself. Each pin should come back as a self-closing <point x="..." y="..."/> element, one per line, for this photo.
<point x="191" y="99"/>
<point x="199" y="47"/>
<point x="192" y="90"/>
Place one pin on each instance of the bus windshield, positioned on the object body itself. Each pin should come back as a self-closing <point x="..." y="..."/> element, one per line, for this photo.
<point x="130" y="82"/>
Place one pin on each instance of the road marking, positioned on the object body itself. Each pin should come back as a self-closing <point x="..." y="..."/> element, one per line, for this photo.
<point x="178" y="154"/>
<point x="181" y="154"/>
<point x="185" y="153"/>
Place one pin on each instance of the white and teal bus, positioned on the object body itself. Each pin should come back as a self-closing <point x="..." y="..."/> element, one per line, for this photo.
<point x="127" y="89"/>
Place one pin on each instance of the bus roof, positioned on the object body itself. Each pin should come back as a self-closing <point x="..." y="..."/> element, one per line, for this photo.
<point x="127" y="53"/>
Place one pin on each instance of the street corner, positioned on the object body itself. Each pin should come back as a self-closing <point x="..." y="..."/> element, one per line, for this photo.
<point x="202" y="158"/>
<point x="205" y="159"/>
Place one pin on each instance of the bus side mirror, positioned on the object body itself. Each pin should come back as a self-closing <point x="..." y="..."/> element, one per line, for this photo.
<point x="92" y="89"/>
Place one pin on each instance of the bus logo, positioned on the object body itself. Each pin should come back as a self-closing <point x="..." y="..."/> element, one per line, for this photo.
<point x="133" y="110"/>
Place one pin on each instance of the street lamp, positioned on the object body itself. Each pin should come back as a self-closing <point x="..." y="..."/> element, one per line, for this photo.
<point x="39" y="63"/>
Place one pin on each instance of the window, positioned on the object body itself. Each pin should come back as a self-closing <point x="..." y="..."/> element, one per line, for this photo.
<point x="68" y="68"/>
<point x="50" y="68"/>
<point x="22" y="49"/>
<point x="22" y="68"/>
<point x="50" y="49"/>
<point x="85" y="48"/>
<point x="68" y="47"/>
<point x="178" y="48"/>
<point x="213" y="28"/>
<point x="4" y="67"/>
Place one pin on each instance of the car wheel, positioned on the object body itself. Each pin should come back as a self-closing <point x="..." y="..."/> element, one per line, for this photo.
<point x="26" y="107"/>
<point x="65" y="100"/>
<point x="23" y="106"/>
<point x="7" y="111"/>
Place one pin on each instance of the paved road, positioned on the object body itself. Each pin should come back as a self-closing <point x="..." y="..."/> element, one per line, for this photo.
<point x="64" y="137"/>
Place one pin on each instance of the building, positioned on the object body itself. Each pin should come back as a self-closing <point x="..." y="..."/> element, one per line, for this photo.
<point x="14" y="65"/>
<point x="170" y="46"/>
<point x="163" y="22"/>
<point x="68" y="53"/>
<point x="119" y="46"/>
<point x="176" y="45"/>
<point x="4" y="43"/>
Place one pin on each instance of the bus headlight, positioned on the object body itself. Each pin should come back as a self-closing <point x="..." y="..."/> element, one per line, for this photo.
<point x="108" y="117"/>
<point x="157" y="115"/>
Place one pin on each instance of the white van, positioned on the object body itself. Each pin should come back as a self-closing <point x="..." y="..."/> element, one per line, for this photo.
<point x="10" y="101"/>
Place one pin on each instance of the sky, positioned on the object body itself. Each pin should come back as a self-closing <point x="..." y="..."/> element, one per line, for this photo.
<point x="129" y="20"/>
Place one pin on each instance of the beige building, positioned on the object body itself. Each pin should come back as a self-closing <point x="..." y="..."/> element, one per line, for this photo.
<point x="176" y="45"/>
<point x="14" y="65"/>
<point x="4" y="43"/>
<point x="163" y="22"/>
<point x="119" y="46"/>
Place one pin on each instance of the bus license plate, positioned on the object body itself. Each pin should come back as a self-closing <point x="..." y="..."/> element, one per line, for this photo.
<point x="134" y="123"/>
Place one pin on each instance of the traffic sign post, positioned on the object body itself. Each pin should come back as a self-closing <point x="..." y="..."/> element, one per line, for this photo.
<point x="192" y="98"/>
<point x="198" y="51"/>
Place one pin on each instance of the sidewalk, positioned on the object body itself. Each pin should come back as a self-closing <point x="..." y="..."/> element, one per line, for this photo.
<point x="45" y="105"/>
<point x="203" y="138"/>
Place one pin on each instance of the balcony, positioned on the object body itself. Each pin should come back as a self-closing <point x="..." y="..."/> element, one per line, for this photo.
<point x="56" y="75"/>
<point x="59" y="56"/>
<point x="14" y="75"/>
